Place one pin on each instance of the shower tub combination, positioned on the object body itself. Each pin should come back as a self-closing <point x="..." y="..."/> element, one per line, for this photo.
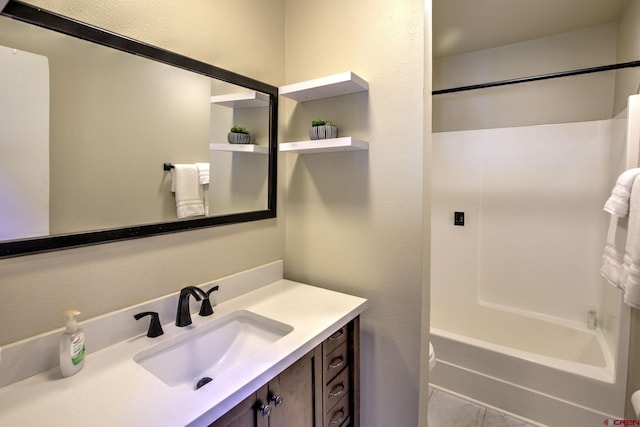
<point x="512" y="289"/>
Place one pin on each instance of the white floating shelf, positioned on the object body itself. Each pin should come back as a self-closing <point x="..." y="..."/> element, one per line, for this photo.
<point x="240" y="148"/>
<point x="251" y="99"/>
<point x="325" y="145"/>
<point x="325" y="87"/>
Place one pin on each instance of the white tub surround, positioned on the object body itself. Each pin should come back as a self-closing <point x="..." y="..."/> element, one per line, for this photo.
<point x="514" y="289"/>
<point x="113" y="389"/>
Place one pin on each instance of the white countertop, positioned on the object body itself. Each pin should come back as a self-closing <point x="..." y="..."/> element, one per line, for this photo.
<point x="113" y="390"/>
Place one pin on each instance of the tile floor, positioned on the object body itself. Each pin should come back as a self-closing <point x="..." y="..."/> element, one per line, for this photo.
<point x="446" y="410"/>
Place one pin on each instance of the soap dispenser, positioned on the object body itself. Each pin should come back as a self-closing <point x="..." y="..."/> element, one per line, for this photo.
<point x="71" y="346"/>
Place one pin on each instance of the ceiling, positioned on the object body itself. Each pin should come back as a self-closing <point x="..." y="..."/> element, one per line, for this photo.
<point x="461" y="26"/>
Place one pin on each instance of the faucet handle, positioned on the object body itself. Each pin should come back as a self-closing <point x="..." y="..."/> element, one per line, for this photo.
<point x="206" y="309"/>
<point x="155" y="328"/>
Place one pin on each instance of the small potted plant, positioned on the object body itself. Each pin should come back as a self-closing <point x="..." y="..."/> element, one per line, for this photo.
<point x="239" y="135"/>
<point x="323" y="129"/>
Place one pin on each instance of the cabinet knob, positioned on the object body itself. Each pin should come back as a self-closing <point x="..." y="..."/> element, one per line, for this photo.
<point x="265" y="410"/>
<point x="277" y="400"/>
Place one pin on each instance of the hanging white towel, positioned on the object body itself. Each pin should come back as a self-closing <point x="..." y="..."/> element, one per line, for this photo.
<point x="614" y="251"/>
<point x="631" y="262"/>
<point x="203" y="179"/>
<point x="203" y="173"/>
<point x="189" y="193"/>
<point x="618" y="206"/>
<point x="618" y="203"/>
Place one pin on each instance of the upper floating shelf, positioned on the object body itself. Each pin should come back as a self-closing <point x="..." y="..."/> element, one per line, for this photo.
<point x="251" y="99"/>
<point x="325" y="87"/>
<point x="239" y="148"/>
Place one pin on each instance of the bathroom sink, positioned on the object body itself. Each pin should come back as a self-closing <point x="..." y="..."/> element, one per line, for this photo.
<point x="212" y="348"/>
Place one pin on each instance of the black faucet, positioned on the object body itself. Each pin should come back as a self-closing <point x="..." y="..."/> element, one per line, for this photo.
<point x="183" y="316"/>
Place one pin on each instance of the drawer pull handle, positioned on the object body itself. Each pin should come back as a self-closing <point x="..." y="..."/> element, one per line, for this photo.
<point x="339" y="418"/>
<point x="337" y="362"/>
<point x="336" y="335"/>
<point x="335" y="393"/>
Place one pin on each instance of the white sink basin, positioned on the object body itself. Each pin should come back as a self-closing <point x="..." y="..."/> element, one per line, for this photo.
<point x="222" y="344"/>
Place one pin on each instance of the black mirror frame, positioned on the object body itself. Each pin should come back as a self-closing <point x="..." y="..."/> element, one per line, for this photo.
<point x="32" y="15"/>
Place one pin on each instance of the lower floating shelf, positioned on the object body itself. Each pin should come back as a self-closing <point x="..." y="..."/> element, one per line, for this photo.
<point x="239" y="148"/>
<point x="325" y="145"/>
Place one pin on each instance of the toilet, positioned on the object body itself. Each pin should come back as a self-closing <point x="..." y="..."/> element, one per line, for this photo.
<point x="432" y="358"/>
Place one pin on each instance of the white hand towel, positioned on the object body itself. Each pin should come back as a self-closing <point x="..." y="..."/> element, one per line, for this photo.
<point x="203" y="173"/>
<point x="189" y="193"/>
<point x="614" y="251"/>
<point x="205" y="189"/>
<point x="631" y="263"/>
<point x="203" y="178"/>
<point x="632" y="287"/>
<point x="618" y="203"/>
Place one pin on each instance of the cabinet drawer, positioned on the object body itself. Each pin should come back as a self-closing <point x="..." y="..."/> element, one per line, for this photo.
<point x="335" y="362"/>
<point x="337" y="415"/>
<point x="335" y="340"/>
<point x="336" y="389"/>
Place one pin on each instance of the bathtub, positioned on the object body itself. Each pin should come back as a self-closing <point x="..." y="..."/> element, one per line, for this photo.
<point x="552" y="373"/>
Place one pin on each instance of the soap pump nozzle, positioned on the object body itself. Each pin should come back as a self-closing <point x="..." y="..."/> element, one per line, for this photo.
<point x="72" y="323"/>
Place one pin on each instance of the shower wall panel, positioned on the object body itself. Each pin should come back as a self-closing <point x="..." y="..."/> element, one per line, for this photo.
<point x="535" y="229"/>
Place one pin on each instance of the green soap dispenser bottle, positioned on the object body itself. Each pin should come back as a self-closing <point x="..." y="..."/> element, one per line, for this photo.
<point x="71" y="346"/>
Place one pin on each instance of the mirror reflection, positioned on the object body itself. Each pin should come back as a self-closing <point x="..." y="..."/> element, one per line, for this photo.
<point x="85" y="131"/>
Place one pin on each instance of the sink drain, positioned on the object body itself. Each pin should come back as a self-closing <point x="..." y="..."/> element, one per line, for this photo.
<point x="203" y="382"/>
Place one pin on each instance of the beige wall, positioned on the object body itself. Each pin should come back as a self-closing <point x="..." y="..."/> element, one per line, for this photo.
<point x="36" y="289"/>
<point x="562" y="100"/>
<point x="195" y="29"/>
<point x="354" y="220"/>
<point x="628" y="49"/>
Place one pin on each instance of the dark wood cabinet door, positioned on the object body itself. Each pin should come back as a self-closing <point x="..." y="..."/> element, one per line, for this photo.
<point x="293" y="394"/>
<point x="248" y="413"/>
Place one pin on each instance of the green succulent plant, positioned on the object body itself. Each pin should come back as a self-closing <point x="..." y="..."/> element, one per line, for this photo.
<point x="238" y="129"/>
<point x="320" y="122"/>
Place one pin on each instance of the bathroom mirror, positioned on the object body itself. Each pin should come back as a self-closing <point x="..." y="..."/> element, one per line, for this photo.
<point x="93" y="123"/>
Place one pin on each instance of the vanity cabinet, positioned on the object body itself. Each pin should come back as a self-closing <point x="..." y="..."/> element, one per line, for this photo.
<point x="321" y="389"/>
